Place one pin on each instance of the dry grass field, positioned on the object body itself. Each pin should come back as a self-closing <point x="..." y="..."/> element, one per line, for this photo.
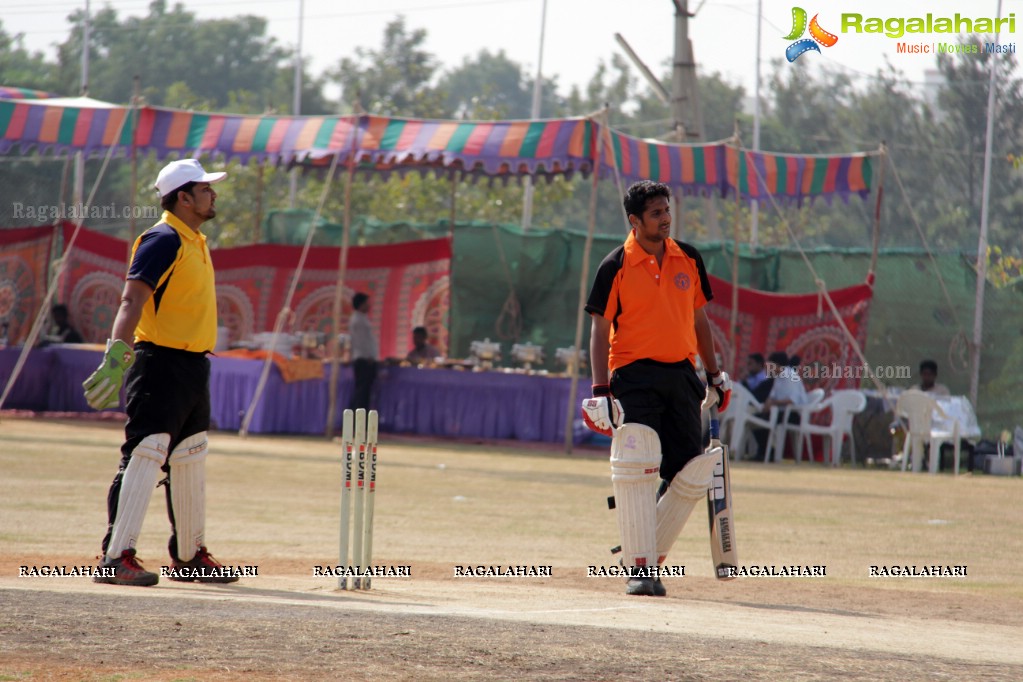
<point x="273" y="505"/>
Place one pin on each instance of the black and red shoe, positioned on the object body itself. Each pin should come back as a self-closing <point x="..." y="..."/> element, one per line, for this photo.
<point x="202" y="568"/>
<point x="127" y="571"/>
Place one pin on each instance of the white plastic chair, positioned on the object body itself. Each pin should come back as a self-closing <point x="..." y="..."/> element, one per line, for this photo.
<point x="771" y="424"/>
<point x="805" y="411"/>
<point x="920" y="410"/>
<point x="844" y="406"/>
<point x="740" y="414"/>
<point x="727" y="418"/>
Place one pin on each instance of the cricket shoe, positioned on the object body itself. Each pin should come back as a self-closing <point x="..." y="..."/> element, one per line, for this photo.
<point x="202" y="568"/>
<point x="647" y="587"/>
<point x="127" y="571"/>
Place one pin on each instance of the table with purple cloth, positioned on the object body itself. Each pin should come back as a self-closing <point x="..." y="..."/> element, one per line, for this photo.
<point x="32" y="389"/>
<point x="473" y="404"/>
<point x="439" y="402"/>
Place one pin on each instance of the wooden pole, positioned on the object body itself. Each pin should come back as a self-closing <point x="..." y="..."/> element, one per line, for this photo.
<point x="257" y="227"/>
<point x="286" y="314"/>
<point x="584" y="276"/>
<point x="875" y="239"/>
<point x="733" y="321"/>
<point x="133" y="227"/>
<point x="454" y="199"/>
<point x="342" y="271"/>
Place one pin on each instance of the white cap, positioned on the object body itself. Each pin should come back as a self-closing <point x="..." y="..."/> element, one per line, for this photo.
<point x="177" y="173"/>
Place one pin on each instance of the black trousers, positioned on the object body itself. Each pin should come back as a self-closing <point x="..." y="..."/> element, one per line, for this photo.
<point x="167" y="391"/>
<point x="665" y="397"/>
<point x="365" y="371"/>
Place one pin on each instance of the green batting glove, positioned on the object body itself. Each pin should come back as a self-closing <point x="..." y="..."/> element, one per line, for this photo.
<point x="103" y="387"/>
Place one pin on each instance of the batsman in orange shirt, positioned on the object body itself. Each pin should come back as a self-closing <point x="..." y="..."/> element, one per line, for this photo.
<point x="648" y="325"/>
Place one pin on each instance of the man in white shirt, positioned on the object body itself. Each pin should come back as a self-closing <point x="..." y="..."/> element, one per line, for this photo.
<point x="788" y="389"/>
<point x="788" y="386"/>
<point x="364" y="351"/>
<point x="929" y="381"/>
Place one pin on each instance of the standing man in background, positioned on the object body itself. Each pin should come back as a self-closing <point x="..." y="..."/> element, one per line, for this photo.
<point x="164" y="327"/>
<point x="648" y="325"/>
<point x="364" y="351"/>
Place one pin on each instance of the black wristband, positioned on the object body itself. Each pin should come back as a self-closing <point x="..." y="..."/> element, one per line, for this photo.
<point x="601" y="390"/>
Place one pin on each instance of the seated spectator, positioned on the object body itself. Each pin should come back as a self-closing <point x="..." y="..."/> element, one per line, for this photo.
<point x="62" y="331"/>
<point x="787" y="389"/>
<point x="756" y="379"/>
<point x="422" y="352"/>
<point x="928" y="380"/>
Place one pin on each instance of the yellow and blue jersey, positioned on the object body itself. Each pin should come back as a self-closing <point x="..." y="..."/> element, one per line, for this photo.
<point x="175" y="262"/>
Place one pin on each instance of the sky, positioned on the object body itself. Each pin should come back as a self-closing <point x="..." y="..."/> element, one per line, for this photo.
<point x="579" y="34"/>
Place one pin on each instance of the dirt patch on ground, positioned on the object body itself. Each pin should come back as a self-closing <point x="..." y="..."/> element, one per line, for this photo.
<point x="93" y="637"/>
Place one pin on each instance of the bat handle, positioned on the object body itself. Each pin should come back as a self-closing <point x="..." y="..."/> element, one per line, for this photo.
<point x="715" y="428"/>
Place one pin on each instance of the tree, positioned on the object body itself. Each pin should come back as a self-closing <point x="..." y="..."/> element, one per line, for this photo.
<point x="963" y="124"/>
<point x="488" y="86"/>
<point x="492" y="86"/>
<point x="394" y="80"/>
<point x="19" y="67"/>
<point x="239" y="63"/>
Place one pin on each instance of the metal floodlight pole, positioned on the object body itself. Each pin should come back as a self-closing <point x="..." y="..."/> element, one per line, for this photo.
<point x="86" y="31"/>
<point x="534" y="113"/>
<point x="79" y="182"/>
<point x="296" y="101"/>
<point x="978" y="313"/>
<point x="754" y="236"/>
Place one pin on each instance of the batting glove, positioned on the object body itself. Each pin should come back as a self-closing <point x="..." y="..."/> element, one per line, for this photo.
<point x="603" y="413"/>
<point x="103" y="387"/>
<point x="721" y="384"/>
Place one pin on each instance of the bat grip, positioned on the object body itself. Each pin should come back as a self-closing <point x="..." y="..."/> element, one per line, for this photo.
<point x="715" y="428"/>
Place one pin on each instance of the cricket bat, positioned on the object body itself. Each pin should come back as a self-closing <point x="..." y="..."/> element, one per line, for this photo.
<point x="719" y="507"/>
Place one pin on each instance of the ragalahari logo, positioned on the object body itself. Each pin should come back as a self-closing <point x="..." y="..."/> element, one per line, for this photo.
<point x="817" y="35"/>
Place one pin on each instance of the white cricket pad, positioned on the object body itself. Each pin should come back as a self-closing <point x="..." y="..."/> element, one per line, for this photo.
<point x="137" y="485"/>
<point x="687" y="488"/>
<point x="635" y="468"/>
<point x="188" y="493"/>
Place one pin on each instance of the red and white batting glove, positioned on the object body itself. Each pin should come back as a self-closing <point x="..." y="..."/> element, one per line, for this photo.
<point x="603" y="413"/>
<point x="720" y="383"/>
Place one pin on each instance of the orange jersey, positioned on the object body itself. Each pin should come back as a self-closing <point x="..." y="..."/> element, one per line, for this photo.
<point x="651" y="309"/>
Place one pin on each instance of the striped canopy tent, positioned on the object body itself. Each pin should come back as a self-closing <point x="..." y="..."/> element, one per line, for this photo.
<point x="723" y="168"/>
<point x="13" y="92"/>
<point x="376" y="144"/>
<point x="495" y="149"/>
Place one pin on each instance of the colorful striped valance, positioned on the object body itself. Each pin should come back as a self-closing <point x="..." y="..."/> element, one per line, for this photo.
<point x="501" y="149"/>
<point x="11" y="92"/>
